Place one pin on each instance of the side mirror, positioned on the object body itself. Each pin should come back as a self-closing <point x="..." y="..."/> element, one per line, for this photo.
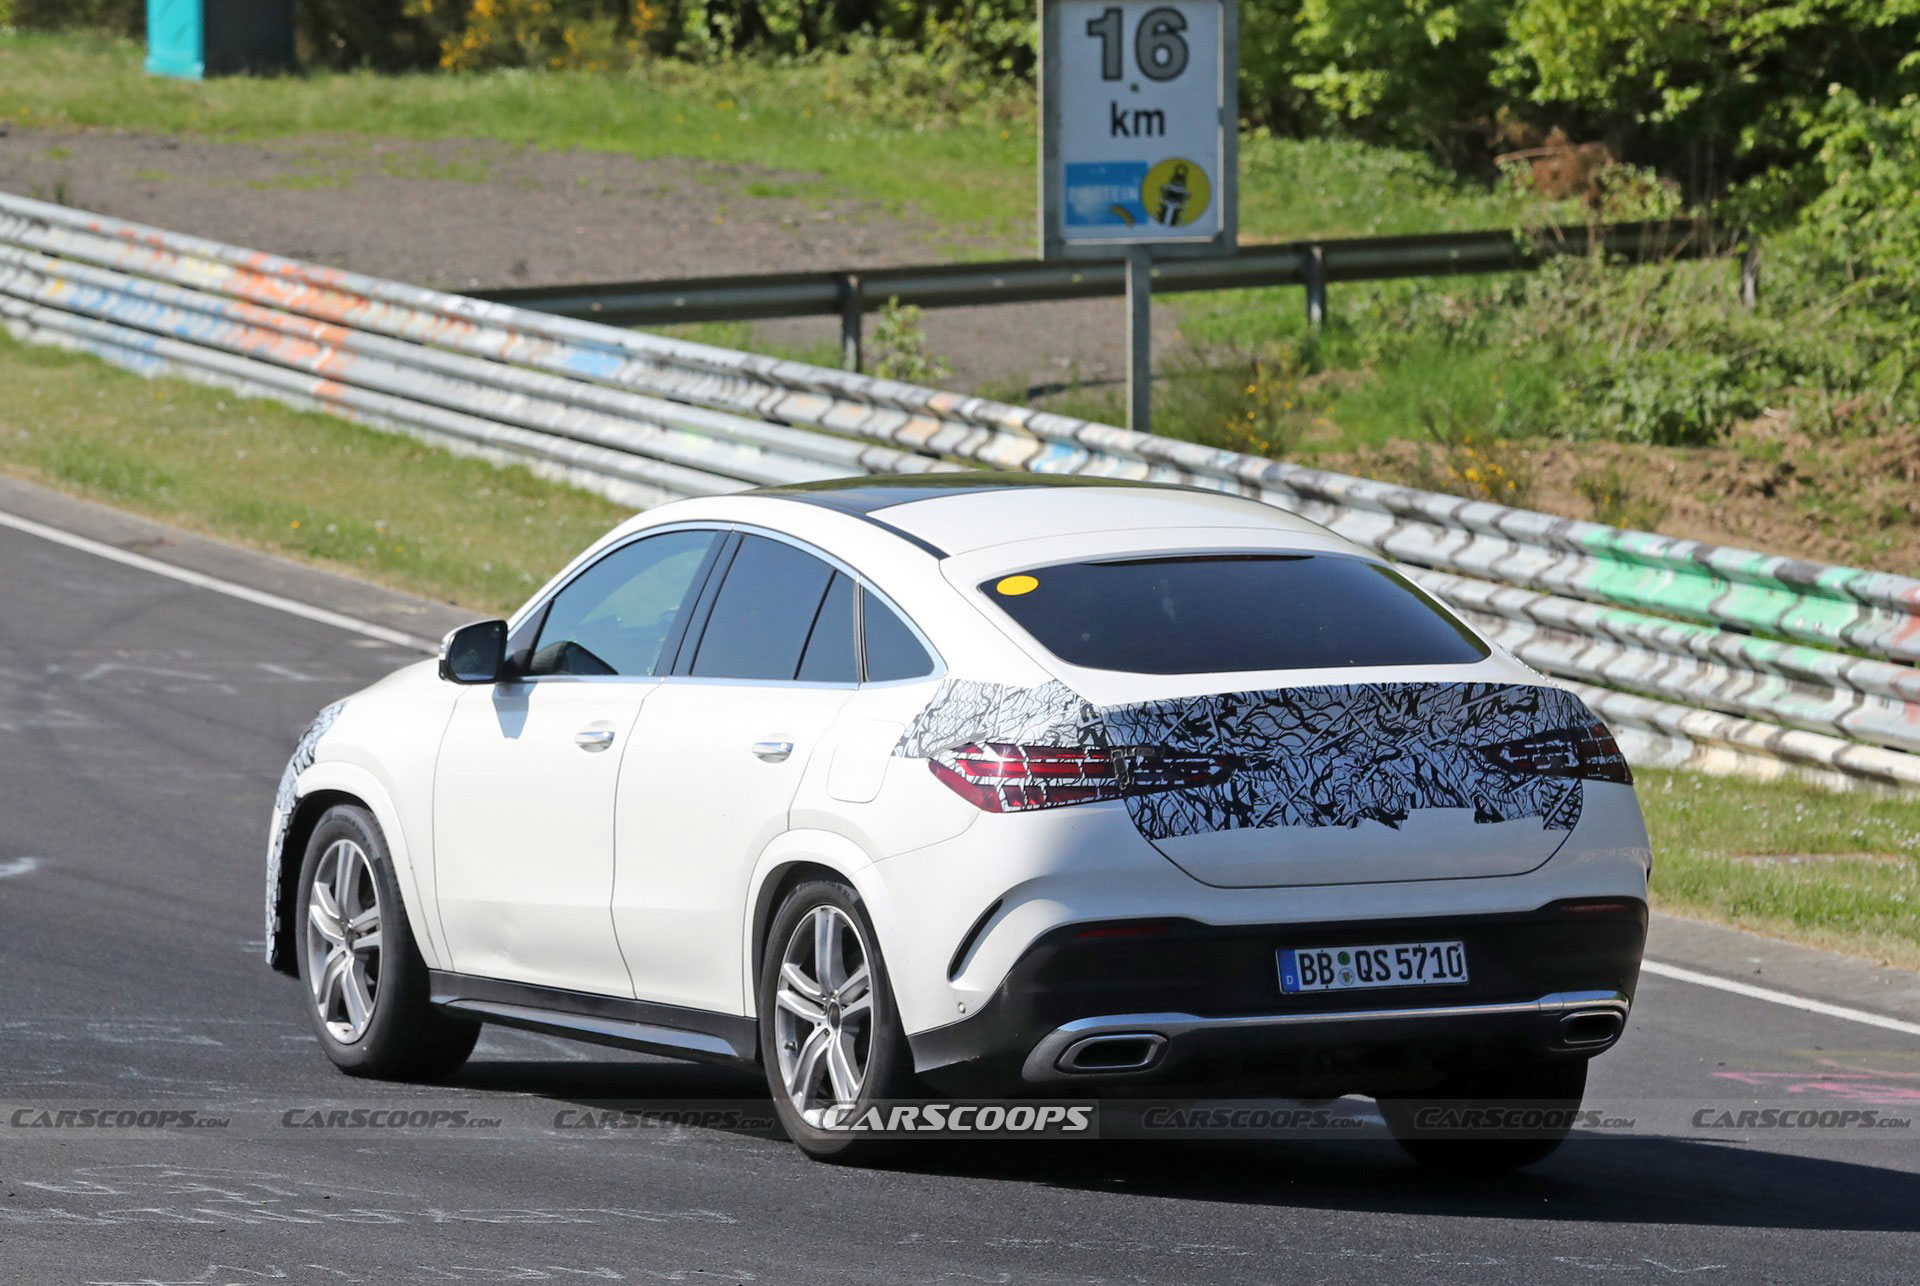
<point x="475" y="653"/>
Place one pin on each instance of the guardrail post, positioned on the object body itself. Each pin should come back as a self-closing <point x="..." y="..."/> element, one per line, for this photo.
<point x="1140" y="339"/>
<point x="852" y="321"/>
<point x="1316" y="276"/>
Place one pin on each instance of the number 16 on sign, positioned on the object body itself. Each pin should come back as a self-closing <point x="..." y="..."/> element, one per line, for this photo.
<point x="1139" y="125"/>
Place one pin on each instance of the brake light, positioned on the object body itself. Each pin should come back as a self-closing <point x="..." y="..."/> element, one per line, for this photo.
<point x="1589" y="753"/>
<point x="1001" y="777"/>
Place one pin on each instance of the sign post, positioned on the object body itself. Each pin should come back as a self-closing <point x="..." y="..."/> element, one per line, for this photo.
<point x="1139" y="133"/>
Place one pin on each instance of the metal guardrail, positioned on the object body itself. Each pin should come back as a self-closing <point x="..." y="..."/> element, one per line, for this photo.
<point x="1699" y="655"/>
<point x="851" y="293"/>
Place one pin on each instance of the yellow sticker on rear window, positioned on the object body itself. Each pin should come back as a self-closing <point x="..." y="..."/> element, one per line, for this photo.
<point x="1014" y="586"/>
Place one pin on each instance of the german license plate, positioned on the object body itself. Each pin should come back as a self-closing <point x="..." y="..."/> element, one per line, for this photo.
<point x="1406" y="964"/>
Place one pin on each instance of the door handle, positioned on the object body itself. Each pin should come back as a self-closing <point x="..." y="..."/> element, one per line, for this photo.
<point x="593" y="740"/>
<point x="772" y="750"/>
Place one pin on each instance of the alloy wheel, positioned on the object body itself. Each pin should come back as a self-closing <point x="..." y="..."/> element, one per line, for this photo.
<point x="823" y="1020"/>
<point x="344" y="941"/>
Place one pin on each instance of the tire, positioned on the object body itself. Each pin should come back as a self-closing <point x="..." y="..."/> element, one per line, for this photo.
<point x="1555" y="1089"/>
<point x="859" y="1035"/>
<point x="372" y="1016"/>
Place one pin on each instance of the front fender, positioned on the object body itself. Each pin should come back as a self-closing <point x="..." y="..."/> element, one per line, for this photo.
<point x="339" y="777"/>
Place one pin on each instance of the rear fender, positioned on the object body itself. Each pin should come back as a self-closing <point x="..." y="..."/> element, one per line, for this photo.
<point x="832" y="854"/>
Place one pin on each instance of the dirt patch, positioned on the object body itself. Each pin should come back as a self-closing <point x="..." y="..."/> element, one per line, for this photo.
<point x="1853" y="501"/>
<point x="468" y="213"/>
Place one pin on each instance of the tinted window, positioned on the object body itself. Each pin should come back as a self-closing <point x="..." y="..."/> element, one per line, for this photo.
<point x="614" y="617"/>
<point x="1219" y="614"/>
<point x="892" y="650"/>
<point x="763" y="614"/>
<point x="830" y="657"/>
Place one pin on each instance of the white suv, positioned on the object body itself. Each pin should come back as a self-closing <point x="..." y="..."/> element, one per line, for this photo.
<point x="976" y="784"/>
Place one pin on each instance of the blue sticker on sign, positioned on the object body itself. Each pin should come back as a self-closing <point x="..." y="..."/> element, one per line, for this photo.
<point x="1105" y="194"/>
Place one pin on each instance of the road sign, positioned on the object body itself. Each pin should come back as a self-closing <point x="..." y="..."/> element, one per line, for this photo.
<point x="1139" y="120"/>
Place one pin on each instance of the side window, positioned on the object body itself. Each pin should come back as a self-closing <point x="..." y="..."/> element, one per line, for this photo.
<point x="617" y="615"/>
<point x="764" y="613"/>
<point x="892" y="650"/>
<point x="830" y="655"/>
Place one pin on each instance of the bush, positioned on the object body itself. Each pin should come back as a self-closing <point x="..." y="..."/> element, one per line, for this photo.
<point x="363" y="33"/>
<point x="1860" y="236"/>
<point x="589" y="35"/>
<point x="1715" y="90"/>
<point x="1404" y="71"/>
<point x="900" y="350"/>
<point x="997" y="36"/>
<point x="121" y="17"/>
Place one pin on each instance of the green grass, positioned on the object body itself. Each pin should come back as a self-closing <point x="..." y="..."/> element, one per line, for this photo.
<point x="300" y="484"/>
<point x="1789" y="859"/>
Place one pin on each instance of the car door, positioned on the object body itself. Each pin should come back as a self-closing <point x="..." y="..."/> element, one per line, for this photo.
<point x="525" y="785"/>
<point x="715" y="759"/>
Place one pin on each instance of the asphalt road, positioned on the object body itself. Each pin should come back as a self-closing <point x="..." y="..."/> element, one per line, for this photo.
<point x="143" y="724"/>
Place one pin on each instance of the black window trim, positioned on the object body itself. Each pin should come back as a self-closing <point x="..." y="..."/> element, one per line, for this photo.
<point x="534" y="614"/>
<point x="703" y="609"/>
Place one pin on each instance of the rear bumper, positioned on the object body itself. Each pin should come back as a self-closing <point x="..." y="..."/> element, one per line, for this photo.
<point x="1191" y="1004"/>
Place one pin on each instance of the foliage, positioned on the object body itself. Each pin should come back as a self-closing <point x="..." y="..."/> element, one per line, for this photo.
<point x="995" y="35"/>
<point x="587" y="35"/>
<point x="122" y="17"/>
<point x="1452" y="462"/>
<point x="1617" y="500"/>
<point x="899" y="350"/>
<point x="1271" y="61"/>
<point x="1722" y="89"/>
<point x="364" y="33"/>
<point x="1861" y="234"/>
<point x="1412" y="71"/>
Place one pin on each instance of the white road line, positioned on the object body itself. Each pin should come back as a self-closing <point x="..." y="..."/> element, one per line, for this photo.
<point x="202" y="581"/>
<point x="1771" y="996"/>
<point x="18" y="866"/>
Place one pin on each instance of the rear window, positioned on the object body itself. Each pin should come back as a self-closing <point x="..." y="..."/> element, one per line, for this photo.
<point x="1221" y="613"/>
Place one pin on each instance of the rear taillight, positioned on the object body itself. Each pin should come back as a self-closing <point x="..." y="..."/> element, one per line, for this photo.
<point x="1001" y="777"/>
<point x="1588" y="752"/>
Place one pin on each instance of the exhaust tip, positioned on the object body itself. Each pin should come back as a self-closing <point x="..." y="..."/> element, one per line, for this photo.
<point x="1122" y="1052"/>
<point x="1589" y="1029"/>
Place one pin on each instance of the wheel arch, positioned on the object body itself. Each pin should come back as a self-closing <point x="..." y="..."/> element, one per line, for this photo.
<point x="307" y="812"/>
<point x="789" y="861"/>
<point x="328" y="785"/>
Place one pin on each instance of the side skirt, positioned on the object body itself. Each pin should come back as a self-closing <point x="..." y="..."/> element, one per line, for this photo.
<point x="602" y="1020"/>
